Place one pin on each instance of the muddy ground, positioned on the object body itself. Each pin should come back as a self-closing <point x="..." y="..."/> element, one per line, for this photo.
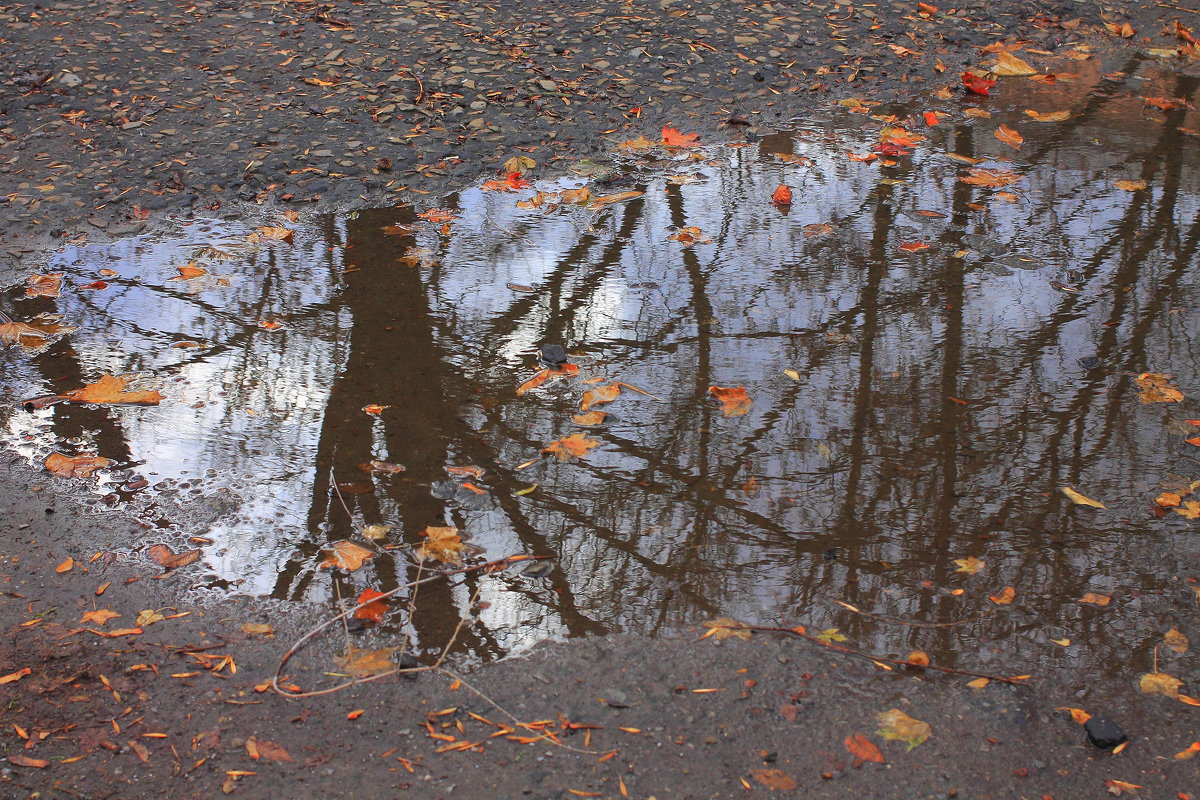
<point x="126" y="118"/>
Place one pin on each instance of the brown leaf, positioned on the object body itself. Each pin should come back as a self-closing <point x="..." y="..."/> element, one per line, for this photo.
<point x="991" y="178"/>
<point x="163" y="556"/>
<point x="601" y="394"/>
<point x="574" y="446"/>
<point x="261" y="748"/>
<point x="817" y="229"/>
<point x="895" y="724"/>
<point x="863" y="749"/>
<point x="1079" y="499"/>
<point x="44" y="285"/>
<point x="775" y="779"/>
<point x="441" y="544"/>
<point x="75" y="466"/>
<point x="363" y="663"/>
<point x="726" y="627"/>
<point x="381" y="468"/>
<point x="1159" y="683"/>
<point x="519" y="164"/>
<point x="609" y="199"/>
<point x="1005" y="597"/>
<point x="25" y="761"/>
<point x="1009" y="136"/>
<point x="35" y="334"/>
<point x="1048" y="116"/>
<point x="110" y="389"/>
<point x="1156" y="388"/>
<point x="734" y="400"/>
<point x="347" y="555"/>
<point x="279" y="234"/>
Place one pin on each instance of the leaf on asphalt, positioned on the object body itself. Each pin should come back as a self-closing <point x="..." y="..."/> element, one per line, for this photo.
<point x="262" y="749"/>
<point x="99" y="616"/>
<point x="441" y="544"/>
<point x="66" y="566"/>
<point x="519" y="164"/>
<point x="775" y="779"/>
<point x="574" y="446"/>
<point x="148" y="617"/>
<point x="1093" y="599"/>
<point x="110" y="390"/>
<point x="831" y="635"/>
<point x="1159" y="683"/>
<point x="75" y="466"/>
<point x="979" y="683"/>
<point x="1005" y="597"/>
<point x="601" y="394"/>
<point x="44" y="285"/>
<point x="347" y="555"/>
<point x="374" y="610"/>
<point x="673" y="137"/>
<point x="609" y="199"/>
<point x="1176" y="640"/>
<point x="1048" y="116"/>
<point x="863" y="750"/>
<point x="1080" y="500"/>
<point x="361" y="662"/>
<point x="25" y="761"/>
<point x="1156" y="388"/>
<point x="15" y="676"/>
<point x="1009" y="66"/>
<point x="1115" y="786"/>
<point x="1125" y="31"/>
<point x="725" y="628"/>
<point x="167" y="559"/>
<point x="257" y="629"/>
<point x="782" y="195"/>
<point x="1010" y="136"/>
<point x="1189" y="753"/>
<point x="734" y="400"/>
<point x="898" y="726"/>
<point x="637" y="145"/>
<point x="969" y="565"/>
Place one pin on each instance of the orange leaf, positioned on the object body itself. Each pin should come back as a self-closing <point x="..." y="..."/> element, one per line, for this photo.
<point x="977" y="84"/>
<point x="546" y="375"/>
<point x="1009" y="136"/>
<point x="574" y="446"/>
<point x="1156" y="388"/>
<point x="1005" y="597"/>
<point x="913" y="247"/>
<point x="44" y="285"/>
<point x="1096" y="599"/>
<point x="991" y="178"/>
<point x="66" y="566"/>
<point x="590" y="418"/>
<point x="734" y="400"/>
<point x="601" y="394"/>
<point x="442" y="544"/>
<point x="347" y="555"/>
<point x="374" y="409"/>
<point x="931" y="118"/>
<point x="110" y="389"/>
<point x="672" y="137"/>
<point x="511" y="183"/>
<point x="863" y="749"/>
<point x="279" y="234"/>
<point x="163" y="556"/>
<point x="438" y="215"/>
<point x="188" y="271"/>
<point x="372" y="611"/>
<point x="782" y="195"/>
<point x="24" y="761"/>
<point x="75" y="466"/>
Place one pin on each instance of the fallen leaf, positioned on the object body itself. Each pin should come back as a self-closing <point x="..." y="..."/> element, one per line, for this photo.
<point x="991" y="178"/>
<point x="1130" y="186"/>
<point x="261" y="748"/>
<point x="726" y="627"/>
<point x="99" y="616"/>
<point x="188" y="272"/>
<point x="977" y="84"/>
<point x="793" y="374"/>
<point x="25" y="761"/>
<point x="979" y="683"/>
<point x="347" y="555"/>
<point x="1189" y="753"/>
<point x="575" y="197"/>
<point x="44" y="285"/>
<point x="831" y="635"/>
<point x="1080" y="500"/>
<point x="374" y="409"/>
<point x="782" y="195"/>
<point x="1176" y="640"/>
<point x="734" y="400"/>
<point x="1091" y="598"/>
<point x="360" y="662"/>
<point x="257" y="629"/>
<point x="912" y="247"/>
<point x="1116" y="786"/>
<point x="163" y="556"/>
<point x="374" y="610"/>
<point x="38" y="333"/>
<point x="148" y="617"/>
<point x="969" y="565"/>
<point x="438" y="215"/>
<point x="898" y="726"/>
<point x="66" y="566"/>
<point x="1009" y="66"/>
<point x="1005" y="597"/>
<point x="381" y="468"/>
<point x="1048" y="116"/>
<point x="510" y="183"/>
<point x="75" y="466"/>
<point x="1169" y="499"/>
<point x="817" y="229"/>
<point x="590" y="418"/>
<point x="775" y="779"/>
<point x="441" y="544"/>
<point x="110" y="390"/>
<point x="1125" y="31"/>
<point x="519" y="164"/>
<point x="609" y="199"/>
<point x="863" y="750"/>
<point x="1166" y="103"/>
<point x="574" y="446"/>
<point x="918" y="658"/>
<point x="15" y="676"/>
<point x="547" y="375"/>
<point x="1009" y="136"/>
<point x="276" y="233"/>
<point x="689" y="236"/>
<point x="601" y="394"/>
<point x="638" y="144"/>
<point x="1159" y="683"/>
<point x="976" y="113"/>
<point x="672" y="137"/>
<point x="1156" y="388"/>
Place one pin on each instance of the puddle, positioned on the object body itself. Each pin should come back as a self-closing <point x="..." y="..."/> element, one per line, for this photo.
<point x="928" y="363"/>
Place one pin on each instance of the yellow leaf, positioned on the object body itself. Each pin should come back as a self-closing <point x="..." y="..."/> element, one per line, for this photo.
<point x="100" y="616"/>
<point x="726" y="627"/>
<point x="1130" y="186"/>
<point x="791" y="373"/>
<point x="148" y="617"/>
<point x="1062" y="642"/>
<point x="1096" y="599"/>
<point x="1009" y="66"/>
<point x="519" y="164"/>
<point x="279" y="234"/>
<point x="1176" y="640"/>
<point x="970" y="565"/>
<point x="1159" y="683"/>
<point x="363" y="663"/>
<point x="574" y="446"/>
<point x="831" y="635"/>
<point x="1189" y="509"/>
<point x="898" y="726"/>
<point x="257" y="629"/>
<point x="978" y="683"/>
<point x="441" y="544"/>
<point x="1078" y="499"/>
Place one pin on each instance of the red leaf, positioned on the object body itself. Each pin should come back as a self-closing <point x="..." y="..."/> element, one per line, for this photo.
<point x="372" y="611"/>
<point x="673" y="137"/>
<point x="863" y="749"/>
<point x="976" y="84"/>
<point x="782" y="196"/>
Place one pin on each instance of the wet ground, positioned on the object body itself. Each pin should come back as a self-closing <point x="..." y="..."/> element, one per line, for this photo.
<point x="969" y="329"/>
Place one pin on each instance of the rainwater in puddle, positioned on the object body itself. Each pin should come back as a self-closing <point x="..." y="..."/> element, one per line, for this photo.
<point x="911" y="407"/>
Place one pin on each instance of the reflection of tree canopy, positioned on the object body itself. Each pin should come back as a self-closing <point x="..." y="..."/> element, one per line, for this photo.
<point x="870" y="474"/>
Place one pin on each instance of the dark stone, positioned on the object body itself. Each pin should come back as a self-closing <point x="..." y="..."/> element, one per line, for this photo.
<point x="1104" y="733"/>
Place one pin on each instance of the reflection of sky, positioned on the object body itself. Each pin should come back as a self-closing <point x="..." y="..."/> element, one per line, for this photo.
<point x="865" y="453"/>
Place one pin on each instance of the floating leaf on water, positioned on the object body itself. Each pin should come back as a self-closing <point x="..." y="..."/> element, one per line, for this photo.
<point x="1010" y="136"/>
<point x="75" y="466"/>
<point x="442" y="543"/>
<point x="793" y="374"/>
<point x="44" y="285"/>
<point x="376" y="532"/>
<point x="347" y="555"/>
<point x="1079" y="499"/>
<point x="360" y="662"/>
<point x="782" y="195"/>
<point x="1156" y="388"/>
<point x="817" y="229"/>
<point x="898" y="726"/>
<point x="110" y="390"/>
<point x="990" y="178"/>
<point x="36" y="334"/>
<point x="969" y="565"/>
<point x="734" y="400"/>
<point x="831" y="635"/>
<point x="574" y="446"/>
<point x="1130" y="186"/>
<point x="1005" y="597"/>
<point x="381" y="468"/>
<point x="371" y="609"/>
<point x="276" y="233"/>
<point x="590" y="418"/>
<point x="601" y="394"/>
<point x="1048" y="116"/>
<point x="609" y="199"/>
<point x="726" y="627"/>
